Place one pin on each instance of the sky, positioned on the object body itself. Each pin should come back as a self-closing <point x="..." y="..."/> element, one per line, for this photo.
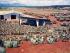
<point x="38" y="2"/>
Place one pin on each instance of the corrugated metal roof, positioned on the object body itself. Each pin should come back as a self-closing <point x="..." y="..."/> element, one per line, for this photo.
<point x="22" y="14"/>
<point x="5" y="12"/>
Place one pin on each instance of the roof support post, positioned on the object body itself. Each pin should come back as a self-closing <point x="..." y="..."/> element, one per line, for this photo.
<point x="37" y="23"/>
<point x="44" y="23"/>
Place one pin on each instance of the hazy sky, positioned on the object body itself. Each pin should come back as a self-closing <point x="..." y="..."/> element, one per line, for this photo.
<point x="38" y="2"/>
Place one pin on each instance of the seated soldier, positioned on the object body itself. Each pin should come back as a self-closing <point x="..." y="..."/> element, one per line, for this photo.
<point x="2" y="49"/>
<point x="1" y="43"/>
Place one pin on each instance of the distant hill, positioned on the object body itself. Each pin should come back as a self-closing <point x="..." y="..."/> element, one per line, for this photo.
<point x="11" y="5"/>
<point x="52" y="6"/>
<point x="22" y="5"/>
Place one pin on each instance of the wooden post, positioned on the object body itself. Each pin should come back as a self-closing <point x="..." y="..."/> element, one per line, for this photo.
<point x="19" y="24"/>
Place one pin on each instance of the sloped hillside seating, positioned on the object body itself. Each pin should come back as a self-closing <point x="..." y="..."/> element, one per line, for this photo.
<point x="13" y="31"/>
<point x="6" y="27"/>
<point x="2" y="27"/>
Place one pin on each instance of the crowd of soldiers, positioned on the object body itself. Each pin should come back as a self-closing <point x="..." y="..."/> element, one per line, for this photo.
<point x="50" y="36"/>
<point x="36" y="35"/>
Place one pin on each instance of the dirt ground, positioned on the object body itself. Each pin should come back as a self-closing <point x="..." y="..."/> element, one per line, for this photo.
<point x="27" y="47"/>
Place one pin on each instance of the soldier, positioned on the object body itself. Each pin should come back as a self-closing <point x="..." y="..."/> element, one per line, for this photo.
<point x="50" y="39"/>
<point x="2" y="49"/>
